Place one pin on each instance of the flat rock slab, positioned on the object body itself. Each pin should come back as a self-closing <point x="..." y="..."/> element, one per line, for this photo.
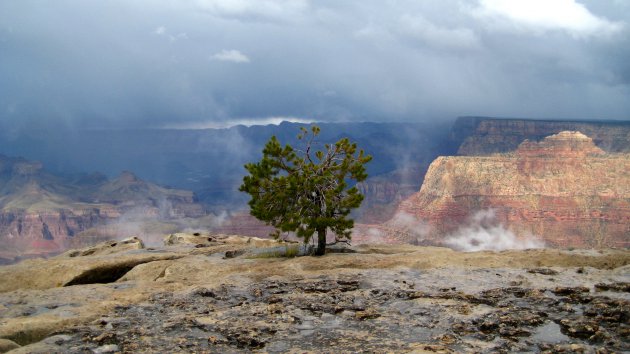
<point x="6" y="345"/>
<point x="62" y="271"/>
<point x="369" y="311"/>
<point x="382" y="298"/>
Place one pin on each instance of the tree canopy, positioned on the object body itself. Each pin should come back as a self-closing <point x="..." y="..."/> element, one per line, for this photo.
<point x="307" y="190"/>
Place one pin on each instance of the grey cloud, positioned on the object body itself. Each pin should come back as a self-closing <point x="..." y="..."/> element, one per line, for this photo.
<point x="259" y="10"/>
<point x="231" y="55"/>
<point x="150" y="63"/>
<point x="417" y="27"/>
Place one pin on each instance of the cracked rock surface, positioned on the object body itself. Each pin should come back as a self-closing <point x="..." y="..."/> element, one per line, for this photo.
<point x="380" y="299"/>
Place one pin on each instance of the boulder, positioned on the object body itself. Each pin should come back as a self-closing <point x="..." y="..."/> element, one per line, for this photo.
<point x="108" y="247"/>
<point x="182" y="238"/>
<point x="207" y="239"/>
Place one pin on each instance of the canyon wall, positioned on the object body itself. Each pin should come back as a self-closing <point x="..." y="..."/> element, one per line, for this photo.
<point x="563" y="190"/>
<point x="42" y="213"/>
<point x="242" y="223"/>
<point x="382" y="194"/>
<point x="483" y="136"/>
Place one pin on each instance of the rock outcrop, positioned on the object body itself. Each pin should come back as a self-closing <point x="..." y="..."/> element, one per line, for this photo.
<point x="108" y="247"/>
<point x="563" y="190"/>
<point x="382" y="298"/>
<point x="199" y="239"/>
<point x="42" y="213"/>
<point x="569" y="144"/>
<point x="484" y="136"/>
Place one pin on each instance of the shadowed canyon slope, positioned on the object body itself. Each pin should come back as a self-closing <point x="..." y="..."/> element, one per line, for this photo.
<point x="42" y="213"/>
<point x="210" y="162"/>
<point x="563" y="190"/>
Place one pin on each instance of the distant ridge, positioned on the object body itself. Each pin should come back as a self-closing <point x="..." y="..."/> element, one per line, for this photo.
<point x="581" y="120"/>
<point x="488" y="135"/>
<point x="43" y="213"/>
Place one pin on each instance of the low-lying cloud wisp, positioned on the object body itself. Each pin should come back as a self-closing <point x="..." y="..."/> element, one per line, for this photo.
<point x="403" y="225"/>
<point x="484" y="233"/>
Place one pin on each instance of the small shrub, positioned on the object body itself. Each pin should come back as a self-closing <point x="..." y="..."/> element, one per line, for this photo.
<point x="290" y="251"/>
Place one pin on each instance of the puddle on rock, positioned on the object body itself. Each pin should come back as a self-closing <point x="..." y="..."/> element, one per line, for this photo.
<point x="549" y="333"/>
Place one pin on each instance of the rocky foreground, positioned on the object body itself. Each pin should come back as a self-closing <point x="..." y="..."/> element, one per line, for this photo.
<point x="218" y="293"/>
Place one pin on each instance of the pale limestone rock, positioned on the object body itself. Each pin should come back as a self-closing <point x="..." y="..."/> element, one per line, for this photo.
<point x="182" y="238"/>
<point x="6" y="345"/>
<point x="103" y="263"/>
<point x="209" y="239"/>
<point x="108" y="247"/>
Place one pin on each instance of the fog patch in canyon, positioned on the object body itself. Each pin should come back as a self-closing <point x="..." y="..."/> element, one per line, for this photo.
<point x="484" y="233"/>
<point x="147" y="223"/>
<point x="150" y="223"/>
<point x="212" y="222"/>
<point x="403" y="224"/>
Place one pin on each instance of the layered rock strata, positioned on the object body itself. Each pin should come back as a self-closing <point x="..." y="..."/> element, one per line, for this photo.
<point x="484" y="136"/>
<point x="563" y="190"/>
<point x="42" y="213"/>
<point x="382" y="194"/>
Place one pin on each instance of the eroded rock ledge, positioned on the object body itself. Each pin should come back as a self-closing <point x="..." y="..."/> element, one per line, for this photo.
<point x="189" y="297"/>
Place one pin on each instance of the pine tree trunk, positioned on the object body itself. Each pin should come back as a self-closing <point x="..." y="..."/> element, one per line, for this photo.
<point x="321" y="242"/>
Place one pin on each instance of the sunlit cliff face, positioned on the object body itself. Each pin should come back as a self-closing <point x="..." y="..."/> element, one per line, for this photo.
<point x="563" y="191"/>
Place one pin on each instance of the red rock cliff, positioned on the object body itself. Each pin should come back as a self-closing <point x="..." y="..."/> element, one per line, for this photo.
<point x="564" y="190"/>
<point x="41" y="213"/>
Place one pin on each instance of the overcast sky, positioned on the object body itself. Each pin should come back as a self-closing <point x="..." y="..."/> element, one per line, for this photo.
<point x="201" y="63"/>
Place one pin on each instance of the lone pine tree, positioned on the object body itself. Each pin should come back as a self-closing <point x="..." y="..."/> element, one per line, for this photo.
<point x="307" y="191"/>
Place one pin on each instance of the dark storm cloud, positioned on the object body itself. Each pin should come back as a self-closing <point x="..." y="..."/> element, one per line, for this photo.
<point x="170" y="63"/>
